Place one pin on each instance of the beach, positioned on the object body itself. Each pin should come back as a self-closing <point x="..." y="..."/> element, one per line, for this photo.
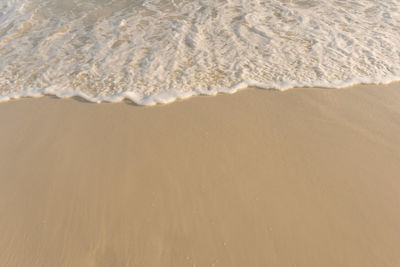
<point x="304" y="177"/>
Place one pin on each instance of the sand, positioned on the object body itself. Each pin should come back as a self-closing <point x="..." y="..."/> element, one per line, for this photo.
<point x="305" y="177"/>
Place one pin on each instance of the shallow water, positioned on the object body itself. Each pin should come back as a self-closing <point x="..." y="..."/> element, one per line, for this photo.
<point x="156" y="51"/>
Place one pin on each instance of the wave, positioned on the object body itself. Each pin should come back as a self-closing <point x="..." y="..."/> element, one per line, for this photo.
<point x="157" y="51"/>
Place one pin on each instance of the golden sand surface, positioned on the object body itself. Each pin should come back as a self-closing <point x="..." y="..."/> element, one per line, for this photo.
<point x="305" y="177"/>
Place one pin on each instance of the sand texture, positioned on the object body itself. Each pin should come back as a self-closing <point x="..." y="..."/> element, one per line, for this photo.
<point x="306" y="177"/>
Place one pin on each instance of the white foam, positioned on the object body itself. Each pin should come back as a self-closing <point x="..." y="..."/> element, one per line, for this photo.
<point x="153" y="51"/>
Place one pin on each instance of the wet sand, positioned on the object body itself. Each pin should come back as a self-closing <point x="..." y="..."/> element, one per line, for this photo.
<point x="306" y="177"/>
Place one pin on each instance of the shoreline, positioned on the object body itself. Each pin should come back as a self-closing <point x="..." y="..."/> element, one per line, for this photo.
<point x="303" y="177"/>
<point x="172" y="97"/>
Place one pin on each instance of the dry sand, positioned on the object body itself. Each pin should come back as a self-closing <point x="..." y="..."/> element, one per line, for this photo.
<point x="306" y="177"/>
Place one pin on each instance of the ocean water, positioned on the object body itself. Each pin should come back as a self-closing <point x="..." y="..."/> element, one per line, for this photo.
<point x="155" y="51"/>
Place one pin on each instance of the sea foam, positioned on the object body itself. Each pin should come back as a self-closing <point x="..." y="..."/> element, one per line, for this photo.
<point x="153" y="51"/>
